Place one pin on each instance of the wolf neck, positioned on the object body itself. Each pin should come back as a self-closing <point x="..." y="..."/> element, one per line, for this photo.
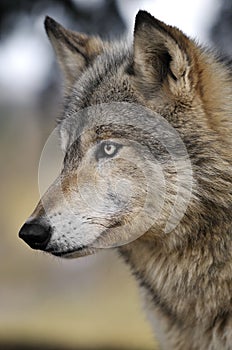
<point x="175" y="282"/>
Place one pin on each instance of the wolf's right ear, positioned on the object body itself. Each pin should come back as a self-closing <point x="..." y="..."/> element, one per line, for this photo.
<point x="74" y="51"/>
<point x="163" y="58"/>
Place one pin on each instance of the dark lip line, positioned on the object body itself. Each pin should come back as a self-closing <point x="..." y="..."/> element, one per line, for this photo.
<point x="59" y="254"/>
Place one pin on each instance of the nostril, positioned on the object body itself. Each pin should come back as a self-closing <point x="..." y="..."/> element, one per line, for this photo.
<point x="35" y="234"/>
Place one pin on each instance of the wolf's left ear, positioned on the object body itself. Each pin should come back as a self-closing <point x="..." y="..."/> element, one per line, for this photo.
<point x="75" y="51"/>
<point x="162" y="57"/>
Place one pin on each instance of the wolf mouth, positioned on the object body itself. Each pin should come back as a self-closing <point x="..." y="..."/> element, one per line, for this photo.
<point x="67" y="253"/>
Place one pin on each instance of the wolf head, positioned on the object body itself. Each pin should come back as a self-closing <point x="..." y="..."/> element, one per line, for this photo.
<point x="136" y="118"/>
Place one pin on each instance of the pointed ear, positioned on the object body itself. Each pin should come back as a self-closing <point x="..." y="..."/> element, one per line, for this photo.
<point x="162" y="57"/>
<point x="74" y="51"/>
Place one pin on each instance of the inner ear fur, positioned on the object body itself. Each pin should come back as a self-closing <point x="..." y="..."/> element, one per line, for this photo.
<point x="162" y="56"/>
<point x="74" y="51"/>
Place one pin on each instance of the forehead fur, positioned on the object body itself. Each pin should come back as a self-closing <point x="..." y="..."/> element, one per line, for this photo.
<point x="104" y="81"/>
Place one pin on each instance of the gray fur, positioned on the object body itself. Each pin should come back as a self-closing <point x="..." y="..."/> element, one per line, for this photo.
<point x="164" y="199"/>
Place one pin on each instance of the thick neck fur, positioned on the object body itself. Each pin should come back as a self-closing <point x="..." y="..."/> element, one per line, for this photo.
<point x="187" y="283"/>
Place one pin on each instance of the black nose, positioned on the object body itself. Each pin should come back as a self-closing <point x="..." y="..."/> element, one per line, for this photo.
<point x="35" y="234"/>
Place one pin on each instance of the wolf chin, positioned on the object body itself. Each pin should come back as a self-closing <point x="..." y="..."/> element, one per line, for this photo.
<point x="146" y="135"/>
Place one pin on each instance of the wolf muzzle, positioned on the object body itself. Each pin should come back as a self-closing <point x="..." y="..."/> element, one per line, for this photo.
<point x="36" y="234"/>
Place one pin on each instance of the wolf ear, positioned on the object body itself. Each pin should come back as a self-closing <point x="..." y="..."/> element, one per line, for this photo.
<point x="74" y="51"/>
<point x="161" y="57"/>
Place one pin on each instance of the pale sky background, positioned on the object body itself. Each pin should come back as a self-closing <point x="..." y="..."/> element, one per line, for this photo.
<point x="26" y="56"/>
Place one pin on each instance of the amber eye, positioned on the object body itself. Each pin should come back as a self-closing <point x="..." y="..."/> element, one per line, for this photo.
<point x="107" y="149"/>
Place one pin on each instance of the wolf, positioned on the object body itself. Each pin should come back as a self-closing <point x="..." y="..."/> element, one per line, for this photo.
<point x="146" y="135"/>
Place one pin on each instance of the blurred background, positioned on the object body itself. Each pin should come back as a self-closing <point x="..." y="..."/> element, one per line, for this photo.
<point x="93" y="302"/>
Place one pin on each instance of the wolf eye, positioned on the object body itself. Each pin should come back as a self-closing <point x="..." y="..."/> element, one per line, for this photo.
<point x="107" y="150"/>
